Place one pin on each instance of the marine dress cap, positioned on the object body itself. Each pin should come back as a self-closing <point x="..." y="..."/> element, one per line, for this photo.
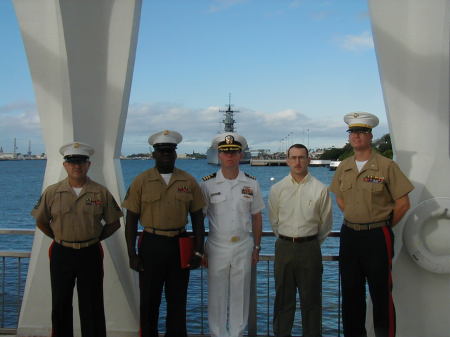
<point x="229" y="141"/>
<point x="76" y="151"/>
<point x="165" y="139"/>
<point x="360" y="121"/>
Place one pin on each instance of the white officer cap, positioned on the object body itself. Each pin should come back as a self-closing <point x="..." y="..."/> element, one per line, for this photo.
<point x="165" y="139"/>
<point x="360" y="121"/>
<point x="229" y="141"/>
<point x="76" y="151"/>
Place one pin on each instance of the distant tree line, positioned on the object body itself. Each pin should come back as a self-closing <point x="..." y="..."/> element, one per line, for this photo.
<point x="140" y="155"/>
<point x="382" y="145"/>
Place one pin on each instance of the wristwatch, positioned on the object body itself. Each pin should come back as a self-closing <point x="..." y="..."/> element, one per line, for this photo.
<point x="198" y="254"/>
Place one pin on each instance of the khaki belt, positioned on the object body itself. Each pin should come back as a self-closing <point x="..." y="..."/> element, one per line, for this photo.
<point x="235" y="238"/>
<point x="366" y="226"/>
<point x="298" y="239"/>
<point x="165" y="232"/>
<point x="78" y="244"/>
<point x="229" y="237"/>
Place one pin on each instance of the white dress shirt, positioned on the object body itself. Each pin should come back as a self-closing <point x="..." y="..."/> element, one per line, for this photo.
<point x="230" y="203"/>
<point x="300" y="209"/>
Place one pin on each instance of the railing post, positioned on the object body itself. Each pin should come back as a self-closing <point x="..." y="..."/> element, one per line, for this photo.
<point x="19" y="299"/>
<point x="252" y="304"/>
<point x="3" y="290"/>
<point x="202" y="289"/>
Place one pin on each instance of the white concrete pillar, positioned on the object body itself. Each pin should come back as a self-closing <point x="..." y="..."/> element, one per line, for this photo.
<point x="412" y="43"/>
<point x="81" y="55"/>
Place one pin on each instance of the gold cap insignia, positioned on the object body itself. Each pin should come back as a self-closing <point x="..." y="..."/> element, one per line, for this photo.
<point x="229" y="139"/>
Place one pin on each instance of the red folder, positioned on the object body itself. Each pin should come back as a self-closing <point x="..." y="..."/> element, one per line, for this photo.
<point x="186" y="250"/>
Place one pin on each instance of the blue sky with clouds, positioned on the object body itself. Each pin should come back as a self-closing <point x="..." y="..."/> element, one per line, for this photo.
<point x="290" y="66"/>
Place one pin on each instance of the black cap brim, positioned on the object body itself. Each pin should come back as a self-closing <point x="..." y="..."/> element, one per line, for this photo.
<point x="76" y="159"/>
<point x="165" y="146"/>
<point x="359" y="129"/>
<point x="229" y="149"/>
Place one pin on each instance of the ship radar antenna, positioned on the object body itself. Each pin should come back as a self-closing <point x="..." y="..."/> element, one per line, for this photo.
<point x="229" y="120"/>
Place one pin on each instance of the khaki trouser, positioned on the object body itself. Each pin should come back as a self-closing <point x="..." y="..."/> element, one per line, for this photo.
<point x="298" y="266"/>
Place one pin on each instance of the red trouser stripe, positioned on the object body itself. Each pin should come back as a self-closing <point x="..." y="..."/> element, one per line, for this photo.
<point x="388" y="239"/>
<point x="50" y="249"/>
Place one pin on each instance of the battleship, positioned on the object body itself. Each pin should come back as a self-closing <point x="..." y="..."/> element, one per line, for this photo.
<point x="228" y="122"/>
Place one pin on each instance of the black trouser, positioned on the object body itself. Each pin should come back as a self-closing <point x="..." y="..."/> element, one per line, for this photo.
<point x="367" y="255"/>
<point x="84" y="265"/>
<point x="161" y="261"/>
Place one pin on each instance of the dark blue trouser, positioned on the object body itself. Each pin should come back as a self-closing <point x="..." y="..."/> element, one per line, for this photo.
<point x="367" y="255"/>
<point x="161" y="260"/>
<point x="85" y="266"/>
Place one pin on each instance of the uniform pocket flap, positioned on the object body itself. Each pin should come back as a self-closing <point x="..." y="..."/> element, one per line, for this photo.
<point x="151" y="197"/>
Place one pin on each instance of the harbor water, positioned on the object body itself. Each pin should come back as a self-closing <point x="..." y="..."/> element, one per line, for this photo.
<point x="21" y="185"/>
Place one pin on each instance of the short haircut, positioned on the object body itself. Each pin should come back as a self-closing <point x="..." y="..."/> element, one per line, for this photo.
<point x="298" y="146"/>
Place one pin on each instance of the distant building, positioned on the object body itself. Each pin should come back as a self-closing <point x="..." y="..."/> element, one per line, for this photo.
<point x="10" y="156"/>
<point x="315" y="154"/>
<point x="261" y="153"/>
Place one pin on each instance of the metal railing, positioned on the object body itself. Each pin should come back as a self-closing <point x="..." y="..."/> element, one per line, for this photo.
<point x="14" y="266"/>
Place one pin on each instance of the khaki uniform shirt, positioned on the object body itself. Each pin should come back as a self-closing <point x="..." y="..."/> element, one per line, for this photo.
<point x="369" y="195"/>
<point x="76" y="218"/>
<point x="163" y="206"/>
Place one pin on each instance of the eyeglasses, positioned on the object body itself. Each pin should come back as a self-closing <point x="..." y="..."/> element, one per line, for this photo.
<point x="297" y="158"/>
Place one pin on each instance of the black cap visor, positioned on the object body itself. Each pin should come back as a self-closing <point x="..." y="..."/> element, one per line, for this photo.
<point x="165" y="147"/>
<point x="229" y="149"/>
<point x="76" y="158"/>
<point x="359" y="129"/>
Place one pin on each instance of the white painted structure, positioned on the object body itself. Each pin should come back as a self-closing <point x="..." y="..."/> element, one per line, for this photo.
<point x="412" y="43"/>
<point x="81" y="55"/>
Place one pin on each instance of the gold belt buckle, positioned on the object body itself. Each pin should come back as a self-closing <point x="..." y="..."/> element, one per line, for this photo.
<point x="235" y="239"/>
<point x="76" y="245"/>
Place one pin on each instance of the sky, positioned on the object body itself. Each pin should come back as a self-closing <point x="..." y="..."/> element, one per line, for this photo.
<point x="293" y="69"/>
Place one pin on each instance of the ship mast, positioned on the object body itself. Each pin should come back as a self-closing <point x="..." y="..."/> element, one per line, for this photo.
<point x="15" y="149"/>
<point x="29" y="149"/>
<point x="228" y="121"/>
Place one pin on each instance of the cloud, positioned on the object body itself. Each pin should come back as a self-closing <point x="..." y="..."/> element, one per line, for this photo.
<point x="220" y="5"/>
<point x="15" y="107"/>
<point x="198" y="126"/>
<point x="363" y="41"/>
<point x="263" y="129"/>
<point x="20" y="120"/>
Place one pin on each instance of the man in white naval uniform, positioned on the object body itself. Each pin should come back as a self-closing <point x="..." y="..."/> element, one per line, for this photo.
<point x="233" y="207"/>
